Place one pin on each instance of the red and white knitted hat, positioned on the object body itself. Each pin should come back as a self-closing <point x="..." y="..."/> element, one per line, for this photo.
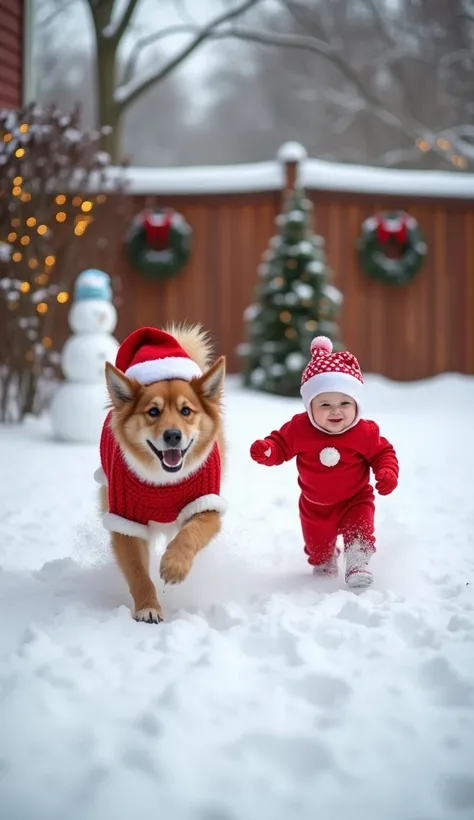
<point x="329" y="372"/>
<point x="150" y="355"/>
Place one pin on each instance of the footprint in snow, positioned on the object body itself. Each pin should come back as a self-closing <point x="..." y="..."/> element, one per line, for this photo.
<point x="301" y="757"/>
<point x="355" y="612"/>
<point x="416" y="632"/>
<point x="458" y="623"/>
<point x="324" y="691"/>
<point x="445" y="684"/>
<point x="457" y="792"/>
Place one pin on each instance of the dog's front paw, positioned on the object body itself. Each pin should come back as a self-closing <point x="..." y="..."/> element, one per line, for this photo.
<point x="149" y="615"/>
<point x="176" y="563"/>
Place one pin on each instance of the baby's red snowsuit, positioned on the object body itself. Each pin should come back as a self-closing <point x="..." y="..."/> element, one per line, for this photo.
<point x="333" y="476"/>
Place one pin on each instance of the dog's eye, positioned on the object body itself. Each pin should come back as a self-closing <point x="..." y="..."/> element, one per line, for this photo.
<point x="153" y="412"/>
<point x="185" y="411"/>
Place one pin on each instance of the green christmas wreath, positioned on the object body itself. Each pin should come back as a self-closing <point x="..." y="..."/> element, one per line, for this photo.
<point x="159" y="242"/>
<point x="391" y="248"/>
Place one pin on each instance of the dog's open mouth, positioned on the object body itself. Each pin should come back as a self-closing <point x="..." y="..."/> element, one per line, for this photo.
<point x="172" y="458"/>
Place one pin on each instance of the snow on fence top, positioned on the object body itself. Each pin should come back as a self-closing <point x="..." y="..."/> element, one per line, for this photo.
<point x="315" y="174"/>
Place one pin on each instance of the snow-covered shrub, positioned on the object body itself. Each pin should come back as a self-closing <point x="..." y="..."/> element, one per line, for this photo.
<point x="52" y="181"/>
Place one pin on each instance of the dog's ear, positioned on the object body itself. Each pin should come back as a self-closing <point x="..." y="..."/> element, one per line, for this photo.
<point x="210" y="385"/>
<point x="121" y="390"/>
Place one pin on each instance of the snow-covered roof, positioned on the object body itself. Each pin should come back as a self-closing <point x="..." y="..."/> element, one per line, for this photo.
<point x="315" y="174"/>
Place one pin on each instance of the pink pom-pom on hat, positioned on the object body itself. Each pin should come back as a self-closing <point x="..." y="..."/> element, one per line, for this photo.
<point x="321" y="343"/>
<point x="329" y="372"/>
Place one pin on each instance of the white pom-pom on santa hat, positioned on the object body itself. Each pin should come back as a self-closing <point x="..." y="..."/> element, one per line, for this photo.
<point x="152" y="355"/>
<point x="321" y="343"/>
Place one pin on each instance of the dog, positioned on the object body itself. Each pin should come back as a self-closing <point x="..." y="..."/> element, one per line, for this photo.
<point x="162" y="454"/>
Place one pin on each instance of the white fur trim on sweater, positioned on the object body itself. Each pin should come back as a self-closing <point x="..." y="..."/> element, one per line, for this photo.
<point x="157" y="370"/>
<point x="100" y="477"/>
<point x="115" y="523"/>
<point x="206" y="503"/>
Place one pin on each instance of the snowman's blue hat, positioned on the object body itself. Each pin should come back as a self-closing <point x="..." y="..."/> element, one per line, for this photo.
<point x="93" y="284"/>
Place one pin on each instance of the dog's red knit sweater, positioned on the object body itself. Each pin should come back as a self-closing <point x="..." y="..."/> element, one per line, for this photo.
<point x="133" y="500"/>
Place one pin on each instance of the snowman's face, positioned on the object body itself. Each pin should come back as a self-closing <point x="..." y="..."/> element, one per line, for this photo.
<point x="92" y="316"/>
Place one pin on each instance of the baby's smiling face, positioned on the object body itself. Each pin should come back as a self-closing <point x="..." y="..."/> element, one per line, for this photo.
<point x="333" y="412"/>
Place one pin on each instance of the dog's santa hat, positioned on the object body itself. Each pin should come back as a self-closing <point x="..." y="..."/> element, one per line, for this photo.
<point x="151" y="355"/>
<point x="329" y="372"/>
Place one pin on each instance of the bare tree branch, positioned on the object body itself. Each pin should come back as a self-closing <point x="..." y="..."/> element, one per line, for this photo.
<point x="300" y="16"/>
<point x="117" y="33"/>
<point x="125" y="97"/>
<point x="56" y="12"/>
<point x="324" y="50"/>
<point x="461" y="138"/>
<point x="101" y="11"/>
<point x="154" y="37"/>
<point x="184" y="13"/>
<point x="409" y="126"/>
<point x="324" y="30"/>
<point x="393" y="49"/>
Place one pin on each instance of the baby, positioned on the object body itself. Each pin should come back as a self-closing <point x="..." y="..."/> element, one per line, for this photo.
<point x="335" y="449"/>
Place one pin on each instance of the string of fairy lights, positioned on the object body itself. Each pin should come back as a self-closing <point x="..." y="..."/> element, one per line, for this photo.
<point x="21" y="240"/>
<point x="285" y="316"/>
<point x="23" y="232"/>
<point x="424" y="145"/>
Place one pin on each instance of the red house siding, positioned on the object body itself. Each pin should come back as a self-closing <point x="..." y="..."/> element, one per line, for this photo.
<point x="11" y="53"/>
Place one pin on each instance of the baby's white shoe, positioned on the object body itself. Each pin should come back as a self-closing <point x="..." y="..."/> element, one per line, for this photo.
<point x="329" y="569"/>
<point x="358" y="573"/>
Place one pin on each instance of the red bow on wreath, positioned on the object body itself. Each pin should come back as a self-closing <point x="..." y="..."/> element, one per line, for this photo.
<point x="157" y="227"/>
<point x="395" y="227"/>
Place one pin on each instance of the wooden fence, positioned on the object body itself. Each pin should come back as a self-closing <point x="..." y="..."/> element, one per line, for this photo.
<point x="413" y="332"/>
<point x="11" y="53"/>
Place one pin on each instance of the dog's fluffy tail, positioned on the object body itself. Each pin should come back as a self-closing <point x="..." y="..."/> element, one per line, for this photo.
<point x="195" y="341"/>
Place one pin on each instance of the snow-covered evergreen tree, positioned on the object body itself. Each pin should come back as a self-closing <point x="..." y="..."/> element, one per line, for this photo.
<point x="295" y="302"/>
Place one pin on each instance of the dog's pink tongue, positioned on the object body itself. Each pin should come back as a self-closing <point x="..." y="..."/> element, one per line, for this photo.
<point x="172" y="457"/>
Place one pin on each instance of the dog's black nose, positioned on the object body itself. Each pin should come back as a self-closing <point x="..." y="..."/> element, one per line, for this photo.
<point x="172" y="437"/>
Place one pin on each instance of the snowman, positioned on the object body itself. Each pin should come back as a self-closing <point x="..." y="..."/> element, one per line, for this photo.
<point x="78" y="407"/>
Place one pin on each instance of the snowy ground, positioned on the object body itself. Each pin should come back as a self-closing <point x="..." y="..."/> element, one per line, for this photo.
<point x="266" y="694"/>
